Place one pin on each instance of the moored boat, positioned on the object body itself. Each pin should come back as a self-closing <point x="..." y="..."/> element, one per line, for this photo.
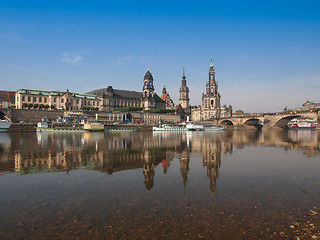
<point x="302" y="125"/>
<point x="214" y="128"/>
<point x="5" y="124"/>
<point x="170" y="127"/>
<point x="194" y="127"/>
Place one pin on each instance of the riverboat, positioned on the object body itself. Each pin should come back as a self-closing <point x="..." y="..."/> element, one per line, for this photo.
<point x="5" y="124"/>
<point x="94" y="127"/>
<point x="296" y="125"/>
<point x="214" y="128"/>
<point x="170" y="127"/>
<point x="45" y="127"/>
<point x="194" y="127"/>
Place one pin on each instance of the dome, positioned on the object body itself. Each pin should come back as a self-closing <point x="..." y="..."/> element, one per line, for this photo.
<point x="148" y="75"/>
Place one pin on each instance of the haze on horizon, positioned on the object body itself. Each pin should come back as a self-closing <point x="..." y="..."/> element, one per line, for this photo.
<point x="265" y="53"/>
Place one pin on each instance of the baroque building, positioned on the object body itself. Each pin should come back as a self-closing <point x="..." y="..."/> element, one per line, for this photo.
<point x="211" y="107"/>
<point x="147" y="99"/>
<point x="50" y="100"/>
<point x="184" y="93"/>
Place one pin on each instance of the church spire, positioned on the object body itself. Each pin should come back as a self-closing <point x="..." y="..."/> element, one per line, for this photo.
<point x="211" y="64"/>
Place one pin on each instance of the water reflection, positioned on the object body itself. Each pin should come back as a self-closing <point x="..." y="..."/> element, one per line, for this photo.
<point x="107" y="152"/>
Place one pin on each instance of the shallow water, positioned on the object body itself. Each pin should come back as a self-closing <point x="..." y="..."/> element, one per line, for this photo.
<point x="148" y="185"/>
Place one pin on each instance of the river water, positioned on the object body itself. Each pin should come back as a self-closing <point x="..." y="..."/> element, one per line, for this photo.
<point x="238" y="184"/>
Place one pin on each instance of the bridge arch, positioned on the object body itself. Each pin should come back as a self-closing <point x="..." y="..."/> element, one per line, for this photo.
<point x="282" y="123"/>
<point x="226" y="122"/>
<point x="2" y="115"/>
<point x="252" y="122"/>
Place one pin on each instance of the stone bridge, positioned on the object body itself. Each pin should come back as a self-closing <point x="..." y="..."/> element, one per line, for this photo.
<point x="279" y="119"/>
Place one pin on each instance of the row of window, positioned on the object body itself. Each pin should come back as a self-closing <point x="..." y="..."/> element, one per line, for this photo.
<point x="94" y="103"/>
<point x="126" y="104"/>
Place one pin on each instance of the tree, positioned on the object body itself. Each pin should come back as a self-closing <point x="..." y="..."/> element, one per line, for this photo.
<point x="24" y="105"/>
<point x="36" y="105"/>
<point x="46" y="106"/>
<point x="41" y="106"/>
<point x="52" y="107"/>
<point x="30" y="105"/>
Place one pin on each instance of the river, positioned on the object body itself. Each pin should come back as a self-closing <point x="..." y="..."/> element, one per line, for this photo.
<point x="238" y="184"/>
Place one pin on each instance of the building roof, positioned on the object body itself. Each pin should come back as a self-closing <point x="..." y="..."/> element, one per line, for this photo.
<point x="163" y="96"/>
<point x="57" y="93"/>
<point x="148" y="75"/>
<point x="7" y="96"/>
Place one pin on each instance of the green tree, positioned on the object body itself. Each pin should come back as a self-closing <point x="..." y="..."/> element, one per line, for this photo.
<point x="36" y="105"/>
<point x="46" y="106"/>
<point x="24" y="105"/>
<point x="41" y="106"/>
<point x="52" y="107"/>
<point x="30" y="105"/>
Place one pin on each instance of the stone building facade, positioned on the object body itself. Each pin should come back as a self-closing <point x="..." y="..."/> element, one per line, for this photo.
<point x="50" y="100"/>
<point x="211" y="107"/>
<point x="114" y="98"/>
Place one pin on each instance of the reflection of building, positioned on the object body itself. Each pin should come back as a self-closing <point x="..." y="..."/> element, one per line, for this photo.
<point x="184" y="166"/>
<point x="211" y="107"/>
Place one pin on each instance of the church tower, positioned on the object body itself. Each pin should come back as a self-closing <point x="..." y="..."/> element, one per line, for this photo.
<point x="211" y="99"/>
<point x="184" y="93"/>
<point x="148" y="92"/>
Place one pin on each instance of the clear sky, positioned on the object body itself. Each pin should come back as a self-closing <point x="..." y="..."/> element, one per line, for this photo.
<point x="266" y="53"/>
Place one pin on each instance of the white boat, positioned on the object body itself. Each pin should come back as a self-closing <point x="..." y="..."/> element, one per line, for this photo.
<point x="194" y="127"/>
<point x="5" y="124"/>
<point x="214" y="128"/>
<point x="170" y="127"/>
<point x="309" y="125"/>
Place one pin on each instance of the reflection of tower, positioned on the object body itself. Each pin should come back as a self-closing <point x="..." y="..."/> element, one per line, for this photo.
<point x="148" y="172"/>
<point x="184" y="166"/>
<point x="212" y="161"/>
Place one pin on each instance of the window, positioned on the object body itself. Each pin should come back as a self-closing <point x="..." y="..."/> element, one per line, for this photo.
<point x="34" y="99"/>
<point x="94" y="103"/>
<point x="54" y="99"/>
<point x="29" y="99"/>
<point x="45" y="100"/>
<point x="22" y="98"/>
<point x="89" y="103"/>
<point x="98" y="104"/>
<point x="71" y="100"/>
<point x="67" y="100"/>
<point x="77" y="101"/>
<point x="62" y="100"/>
<point x="40" y="99"/>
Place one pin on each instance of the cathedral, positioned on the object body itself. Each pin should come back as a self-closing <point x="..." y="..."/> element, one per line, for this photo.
<point x="211" y="107"/>
<point x="109" y="99"/>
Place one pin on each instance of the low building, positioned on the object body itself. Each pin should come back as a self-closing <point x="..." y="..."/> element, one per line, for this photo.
<point x="50" y="100"/>
<point x="311" y="105"/>
<point x="7" y="99"/>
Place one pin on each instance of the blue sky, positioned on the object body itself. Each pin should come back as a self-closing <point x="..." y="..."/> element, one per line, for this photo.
<point x="265" y="53"/>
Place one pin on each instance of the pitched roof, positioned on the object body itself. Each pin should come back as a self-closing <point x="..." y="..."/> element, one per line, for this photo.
<point x="7" y="95"/>
<point x="57" y="93"/>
